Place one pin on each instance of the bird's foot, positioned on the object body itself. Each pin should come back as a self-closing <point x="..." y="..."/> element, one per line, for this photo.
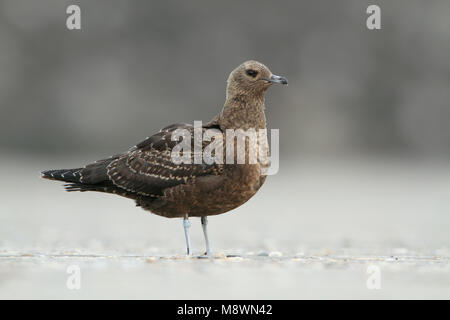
<point x="209" y="254"/>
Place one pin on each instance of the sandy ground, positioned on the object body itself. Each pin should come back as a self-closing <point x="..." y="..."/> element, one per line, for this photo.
<point x="311" y="232"/>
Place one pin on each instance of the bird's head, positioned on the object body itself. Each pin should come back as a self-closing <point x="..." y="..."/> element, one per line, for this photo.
<point x="252" y="78"/>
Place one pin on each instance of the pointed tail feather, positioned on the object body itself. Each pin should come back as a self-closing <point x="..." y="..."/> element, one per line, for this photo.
<point x="66" y="175"/>
<point x="105" y="187"/>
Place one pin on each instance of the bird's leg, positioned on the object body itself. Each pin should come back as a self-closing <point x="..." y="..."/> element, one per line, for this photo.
<point x="204" y="221"/>
<point x="187" y="225"/>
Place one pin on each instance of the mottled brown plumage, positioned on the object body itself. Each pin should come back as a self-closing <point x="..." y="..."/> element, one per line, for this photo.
<point x="147" y="174"/>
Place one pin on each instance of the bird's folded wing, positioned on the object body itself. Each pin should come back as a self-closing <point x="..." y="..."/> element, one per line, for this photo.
<point x="147" y="169"/>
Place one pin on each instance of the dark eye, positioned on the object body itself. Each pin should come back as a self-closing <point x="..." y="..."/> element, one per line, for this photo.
<point x="252" y="73"/>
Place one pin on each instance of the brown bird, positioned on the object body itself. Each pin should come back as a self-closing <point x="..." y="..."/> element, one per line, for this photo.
<point x="148" y="174"/>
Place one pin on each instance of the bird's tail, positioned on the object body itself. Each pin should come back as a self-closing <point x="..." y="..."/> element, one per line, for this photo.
<point x="95" y="182"/>
<point x="66" y="175"/>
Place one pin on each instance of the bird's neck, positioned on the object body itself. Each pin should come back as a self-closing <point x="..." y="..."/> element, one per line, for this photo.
<point x="243" y="111"/>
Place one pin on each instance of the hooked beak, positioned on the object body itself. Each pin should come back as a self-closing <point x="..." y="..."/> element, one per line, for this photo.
<point x="277" y="79"/>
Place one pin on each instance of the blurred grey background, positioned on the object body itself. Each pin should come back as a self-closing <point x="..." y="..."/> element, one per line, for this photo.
<point x="137" y="66"/>
<point x="364" y="129"/>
